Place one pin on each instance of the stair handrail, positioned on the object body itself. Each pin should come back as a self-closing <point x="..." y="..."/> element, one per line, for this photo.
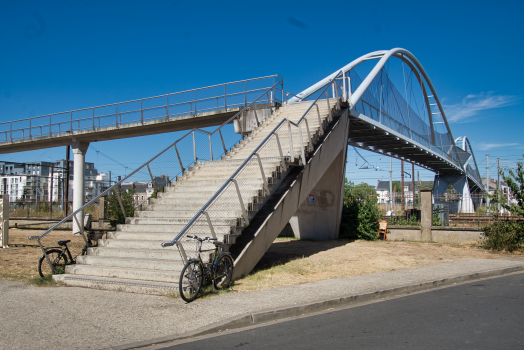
<point x="73" y="215"/>
<point x="52" y="125"/>
<point x="202" y="211"/>
<point x="271" y="100"/>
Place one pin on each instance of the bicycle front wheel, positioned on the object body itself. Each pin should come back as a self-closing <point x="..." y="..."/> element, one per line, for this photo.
<point x="58" y="260"/>
<point x="223" y="272"/>
<point x="191" y="280"/>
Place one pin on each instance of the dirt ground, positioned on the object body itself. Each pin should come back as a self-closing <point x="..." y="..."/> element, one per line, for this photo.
<point x="287" y="262"/>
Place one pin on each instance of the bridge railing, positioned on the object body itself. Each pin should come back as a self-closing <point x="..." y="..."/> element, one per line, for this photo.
<point x="158" y="172"/>
<point x="163" y="107"/>
<point x="287" y="142"/>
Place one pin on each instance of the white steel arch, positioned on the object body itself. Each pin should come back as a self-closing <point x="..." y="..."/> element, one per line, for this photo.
<point x="383" y="56"/>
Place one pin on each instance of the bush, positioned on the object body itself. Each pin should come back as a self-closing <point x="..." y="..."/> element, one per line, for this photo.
<point x="504" y="235"/>
<point x="360" y="214"/>
<point x="114" y="212"/>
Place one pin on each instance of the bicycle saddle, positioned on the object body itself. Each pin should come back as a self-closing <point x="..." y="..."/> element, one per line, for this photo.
<point x="64" y="242"/>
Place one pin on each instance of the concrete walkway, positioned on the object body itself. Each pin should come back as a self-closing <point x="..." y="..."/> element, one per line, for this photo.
<point x="77" y="318"/>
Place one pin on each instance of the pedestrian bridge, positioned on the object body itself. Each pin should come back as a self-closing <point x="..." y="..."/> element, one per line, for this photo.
<point x="275" y="161"/>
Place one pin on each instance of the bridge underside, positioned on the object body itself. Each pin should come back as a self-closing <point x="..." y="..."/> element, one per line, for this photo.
<point x="372" y="138"/>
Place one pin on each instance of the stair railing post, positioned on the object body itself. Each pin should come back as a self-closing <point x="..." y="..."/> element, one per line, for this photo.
<point x="329" y="108"/>
<point x="256" y="117"/>
<point x="152" y="178"/>
<point x="320" y="120"/>
<point x="194" y="148"/>
<point x="244" y="212"/>
<point x="81" y="227"/>
<point x="119" y="202"/>
<point x="179" y="160"/>
<point x="225" y="97"/>
<point x="266" y="186"/>
<point x="302" y="145"/>
<point x="46" y="256"/>
<point x="222" y="139"/>
<point x="182" y="252"/>
<point x="310" y="146"/>
<point x="291" y="152"/>
<point x="284" y="166"/>
<point x="210" y="224"/>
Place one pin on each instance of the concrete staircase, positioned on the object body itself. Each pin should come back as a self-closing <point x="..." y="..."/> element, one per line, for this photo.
<point x="131" y="258"/>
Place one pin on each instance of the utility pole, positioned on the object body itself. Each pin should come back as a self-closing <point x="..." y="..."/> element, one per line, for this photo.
<point x="51" y="194"/>
<point x="402" y="184"/>
<point x="390" y="184"/>
<point x="498" y="182"/>
<point x="413" y="185"/>
<point x="419" y="187"/>
<point x="487" y="184"/>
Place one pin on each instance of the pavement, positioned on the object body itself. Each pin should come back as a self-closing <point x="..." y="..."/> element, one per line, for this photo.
<point x="78" y="318"/>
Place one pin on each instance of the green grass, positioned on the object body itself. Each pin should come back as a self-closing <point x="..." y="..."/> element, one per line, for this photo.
<point x="46" y="281"/>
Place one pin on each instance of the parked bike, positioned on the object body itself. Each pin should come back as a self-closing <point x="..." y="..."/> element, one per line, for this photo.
<point x="218" y="271"/>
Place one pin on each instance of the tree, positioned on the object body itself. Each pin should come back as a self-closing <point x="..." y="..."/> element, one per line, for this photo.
<point x="515" y="182"/>
<point x="114" y="212"/>
<point x="360" y="214"/>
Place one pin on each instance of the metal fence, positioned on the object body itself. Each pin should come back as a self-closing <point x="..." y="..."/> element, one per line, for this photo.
<point x="189" y="102"/>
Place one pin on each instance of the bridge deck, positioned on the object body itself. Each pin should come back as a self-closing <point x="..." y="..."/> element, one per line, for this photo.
<point x="151" y="127"/>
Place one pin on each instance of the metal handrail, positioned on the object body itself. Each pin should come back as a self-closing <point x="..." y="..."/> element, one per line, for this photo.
<point x="239" y="113"/>
<point x="73" y="215"/>
<point x="241" y="167"/>
<point x="118" y="114"/>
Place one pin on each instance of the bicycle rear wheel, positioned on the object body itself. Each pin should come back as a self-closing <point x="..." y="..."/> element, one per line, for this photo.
<point x="191" y="280"/>
<point x="223" y="272"/>
<point x="58" y="259"/>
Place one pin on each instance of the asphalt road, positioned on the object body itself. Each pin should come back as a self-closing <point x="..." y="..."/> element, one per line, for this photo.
<point x="486" y="314"/>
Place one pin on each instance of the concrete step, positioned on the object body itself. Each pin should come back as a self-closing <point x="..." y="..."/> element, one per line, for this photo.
<point x="119" y="284"/>
<point x="176" y="220"/>
<point x="170" y="276"/>
<point x="137" y="253"/>
<point x="134" y="263"/>
<point x="133" y="244"/>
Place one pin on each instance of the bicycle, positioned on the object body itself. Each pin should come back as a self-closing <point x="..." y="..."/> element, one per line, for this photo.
<point x="219" y="270"/>
<point x="61" y="256"/>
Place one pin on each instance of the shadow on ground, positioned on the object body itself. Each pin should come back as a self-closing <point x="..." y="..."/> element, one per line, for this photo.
<point x="281" y="252"/>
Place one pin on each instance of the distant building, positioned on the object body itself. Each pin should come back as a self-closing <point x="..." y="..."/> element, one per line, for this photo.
<point x="45" y="181"/>
<point x="383" y="195"/>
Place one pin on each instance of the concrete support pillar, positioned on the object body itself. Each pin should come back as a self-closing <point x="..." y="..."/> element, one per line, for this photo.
<point x="319" y="216"/>
<point x="79" y="151"/>
<point x="426" y="214"/>
<point x="460" y="184"/>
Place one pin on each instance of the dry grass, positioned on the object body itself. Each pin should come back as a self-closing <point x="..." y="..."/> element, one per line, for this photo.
<point x="295" y="262"/>
<point x="287" y="262"/>
<point x="20" y="261"/>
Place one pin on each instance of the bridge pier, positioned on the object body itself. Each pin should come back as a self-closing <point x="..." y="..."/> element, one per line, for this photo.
<point x="319" y="216"/>
<point x="79" y="152"/>
<point x="461" y="185"/>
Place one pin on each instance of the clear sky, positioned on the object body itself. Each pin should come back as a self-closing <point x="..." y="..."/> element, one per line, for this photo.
<point x="58" y="55"/>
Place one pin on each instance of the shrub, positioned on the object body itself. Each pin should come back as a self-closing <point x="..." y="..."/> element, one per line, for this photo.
<point x="504" y="235"/>
<point x="114" y="212"/>
<point x="360" y="214"/>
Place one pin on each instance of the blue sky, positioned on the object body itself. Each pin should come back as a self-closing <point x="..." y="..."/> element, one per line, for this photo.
<point x="63" y="55"/>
